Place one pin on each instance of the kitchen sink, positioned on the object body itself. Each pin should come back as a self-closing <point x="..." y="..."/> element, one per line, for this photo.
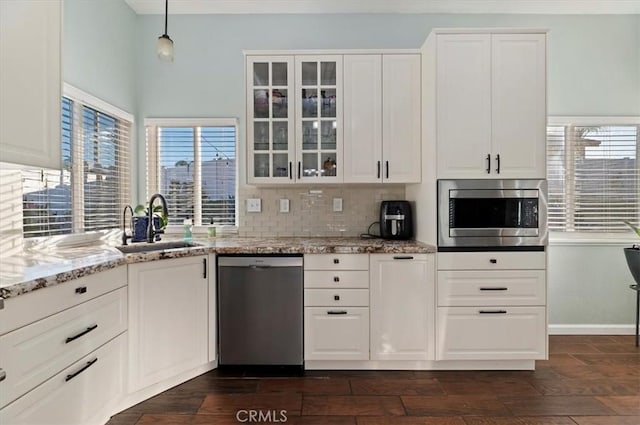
<point x="156" y="246"/>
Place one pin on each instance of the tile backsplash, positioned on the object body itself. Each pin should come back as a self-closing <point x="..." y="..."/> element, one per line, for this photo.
<point x="311" y="210"/>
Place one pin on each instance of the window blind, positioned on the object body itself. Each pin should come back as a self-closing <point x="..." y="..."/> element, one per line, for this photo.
<point x="593" y="177"/>
<point x="91" y="189"/>
<point x="194" y="167"/>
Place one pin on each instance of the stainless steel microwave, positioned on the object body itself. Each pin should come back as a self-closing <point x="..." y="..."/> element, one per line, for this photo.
<point x="492" y="215"/>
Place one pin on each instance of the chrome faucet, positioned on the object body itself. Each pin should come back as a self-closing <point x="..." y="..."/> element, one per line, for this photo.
<point x="124" y="220"/>
<point x="151" y="232"/>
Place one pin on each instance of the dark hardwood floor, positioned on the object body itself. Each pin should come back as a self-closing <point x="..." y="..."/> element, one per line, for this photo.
<point x="588" y="380"/>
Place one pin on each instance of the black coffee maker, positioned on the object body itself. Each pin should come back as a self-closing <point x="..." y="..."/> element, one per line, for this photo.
<point x="396" y="221"/>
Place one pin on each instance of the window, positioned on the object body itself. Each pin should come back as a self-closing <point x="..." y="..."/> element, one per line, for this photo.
<point x="193" y="164"/>
<point x="91" y="189"/>
<point x="592" y="172"/>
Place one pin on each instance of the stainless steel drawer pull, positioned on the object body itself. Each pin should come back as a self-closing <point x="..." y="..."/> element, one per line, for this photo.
<point x="336" y="279"/>
<point x="81" y="290"/>
<point x="85" y="367"/>
<point x="403" y="257"/>
<point x="495" y="288"/>
<point x="336" y="297"/>
<point x="3" y="375"/>
<point x="493" y="312"/>
<point x="336" y="312"/>
<point x="336" y="261"/>
<point x="86" y="331"/>
<point x="493" y="261"/>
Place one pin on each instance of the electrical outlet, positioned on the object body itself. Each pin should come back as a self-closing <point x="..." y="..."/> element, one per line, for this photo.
<point x="284" y="205"/>
<point x="337" y="204"/>
<point x="254" y="205"/>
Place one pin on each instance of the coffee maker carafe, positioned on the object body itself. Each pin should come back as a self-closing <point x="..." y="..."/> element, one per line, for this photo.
<point x="396" y="221"/>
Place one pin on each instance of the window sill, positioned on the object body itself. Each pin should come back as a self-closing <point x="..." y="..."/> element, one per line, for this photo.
<point x="592" y="239"/>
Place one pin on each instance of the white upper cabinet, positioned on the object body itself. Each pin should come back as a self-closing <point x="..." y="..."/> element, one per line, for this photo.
<point x="319" y="118"/>
<point x="491" y="105"/>
<point x="382" y="118"/>
<point x="30" y="82"/>
<point x="270" y="125"/>
<point x="363" y="118"/>
<point x="401" y="115"/>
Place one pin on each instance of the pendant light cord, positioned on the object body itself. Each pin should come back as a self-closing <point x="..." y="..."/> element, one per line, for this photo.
<point x="166" y="15"/>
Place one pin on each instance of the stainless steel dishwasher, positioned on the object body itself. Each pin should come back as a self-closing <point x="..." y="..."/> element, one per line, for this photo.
<point x="260" y="310"/>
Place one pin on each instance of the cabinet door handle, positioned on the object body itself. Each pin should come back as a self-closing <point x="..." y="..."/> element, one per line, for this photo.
<point x="492" y="311"/>
<point x="81" y="290"/>
<point x="403" y="257"/>
<point x="204" y="271"/>
<point x="299" y="165"/>
<point x="493" y="261"/>
<point x="488" y="163"/>
<point x="290" y="171"/>
<point x="378" y="169"/>
<point x="336" y="279"/>
<point x="386" y="164"/>
<point x="85" y="367"/>
<point x="498" y="161"/>
<point x="3" y="375"/>
<point x="494" y="288"/>
<point x="336" y="312"/>
<point x="83" y="333"/>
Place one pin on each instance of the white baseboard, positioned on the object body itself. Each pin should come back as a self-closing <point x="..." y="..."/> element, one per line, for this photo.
<point x="592" y="329"/>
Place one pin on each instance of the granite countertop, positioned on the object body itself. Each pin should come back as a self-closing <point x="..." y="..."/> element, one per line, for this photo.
<point x="40" y="267"/>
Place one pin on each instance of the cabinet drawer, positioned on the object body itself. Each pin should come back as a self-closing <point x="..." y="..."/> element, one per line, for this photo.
<point x="336" y="262"/>
<point x="491" y="333"/>
<point x="491" y="260"/>
<point x="75" y="395"/>
<point x="34" y="353"/>
<point x="336" y="297"/>
<point x="336" y="279"/>
<point x="342" y="336"/>
<point x="484" y="288"/>
<point x="31" y="307"/>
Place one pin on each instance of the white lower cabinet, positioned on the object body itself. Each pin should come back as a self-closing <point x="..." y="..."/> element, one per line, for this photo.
<point x="491" y="333"/>
<point x="80" y="394"/>
<point x="491" y="306"/>
<point x="402" y="306"/>
<point x="336" y="333"/>
<point x="168" y="316"/>
<point x="336" y="307"/>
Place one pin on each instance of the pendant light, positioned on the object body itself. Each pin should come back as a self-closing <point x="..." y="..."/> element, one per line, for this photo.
<point x="165" y="44"/>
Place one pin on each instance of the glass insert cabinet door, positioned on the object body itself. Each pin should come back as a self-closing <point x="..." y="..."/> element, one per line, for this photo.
<point x="319" y="117"/>
<point x="270" y="119"/>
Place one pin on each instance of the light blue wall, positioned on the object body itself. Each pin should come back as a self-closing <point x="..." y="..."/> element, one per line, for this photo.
<point x="98" y="50"/>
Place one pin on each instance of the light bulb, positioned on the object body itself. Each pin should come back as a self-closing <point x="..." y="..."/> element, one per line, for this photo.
<point x="165" y="48"/>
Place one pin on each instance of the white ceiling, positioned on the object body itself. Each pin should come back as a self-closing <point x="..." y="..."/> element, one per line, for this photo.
<point x="142" y="7"/>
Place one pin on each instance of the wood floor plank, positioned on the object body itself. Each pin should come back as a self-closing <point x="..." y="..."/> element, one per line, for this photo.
<point x="572" y="347"/>
<point x="454" y="405"/>
<point x="588" y="386"/>
<point x="533" y="420"/>
<point x="555" y="406"/>
<point x="410" y="420"/>
<point x="598" y="371"/>
<point x="317" y="386"/>
<point x="495" y="386"/>
<point x="355" y="405"/>
<point x="168" y="403"/>
<point x="396" y="387"/>
<point x="125" y="419"/>
<point x="622" y="405"/>
<point x="229" y="404"/>
<point x="609" y="359"/>
<point x="606" y="420"/>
